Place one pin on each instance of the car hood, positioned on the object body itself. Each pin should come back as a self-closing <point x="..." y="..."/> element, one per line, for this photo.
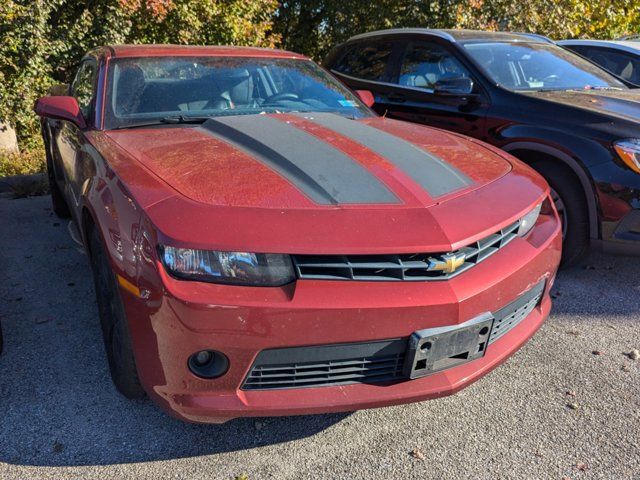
<point x="618" y="104"/>
<point x="312" y="161"/>
<point x="318" y="184"/>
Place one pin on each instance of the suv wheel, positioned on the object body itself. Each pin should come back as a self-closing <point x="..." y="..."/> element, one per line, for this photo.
<point x="568" y="197"/>
<point x="115" y="329"/>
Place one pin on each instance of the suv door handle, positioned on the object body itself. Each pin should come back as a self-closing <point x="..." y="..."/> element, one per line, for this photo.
<point x="396" y="97"/>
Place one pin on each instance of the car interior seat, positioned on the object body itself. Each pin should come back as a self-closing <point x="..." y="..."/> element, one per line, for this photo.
<point x="131" y="84"/>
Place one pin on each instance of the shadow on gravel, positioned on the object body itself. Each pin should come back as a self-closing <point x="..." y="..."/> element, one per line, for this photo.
<point x="57" y="404"/>
<point x="603" y="285"/>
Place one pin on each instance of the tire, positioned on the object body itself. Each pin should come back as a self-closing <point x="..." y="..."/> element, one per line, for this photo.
<point x="58" y="203"/>
<point x="572" y="206"/>
<point x="113" y="320"/>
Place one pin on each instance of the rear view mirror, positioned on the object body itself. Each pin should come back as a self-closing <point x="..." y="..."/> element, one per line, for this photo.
<point x="366" y="96"/>
<point x="456" y="87"/>
<point x="61" y="108"/>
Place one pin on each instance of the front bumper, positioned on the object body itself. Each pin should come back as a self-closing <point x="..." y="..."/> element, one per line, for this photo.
<point x="623" y="235"/>
<point x="245" y="321"/>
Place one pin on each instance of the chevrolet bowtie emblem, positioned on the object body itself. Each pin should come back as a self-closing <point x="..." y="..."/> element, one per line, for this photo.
<point x="447" y="263"/>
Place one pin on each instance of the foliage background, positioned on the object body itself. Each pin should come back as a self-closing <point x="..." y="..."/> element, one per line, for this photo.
<point x="42" y="41"/>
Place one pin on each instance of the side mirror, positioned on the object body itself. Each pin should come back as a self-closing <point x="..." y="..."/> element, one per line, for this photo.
<point x="61" y="108"/>
<point x="366" y="96"/>
<point x="454" y="87"/>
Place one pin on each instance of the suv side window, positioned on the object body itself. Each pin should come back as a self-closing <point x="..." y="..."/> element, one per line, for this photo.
<point x="424" y="64"/>
<point x="368" y="61"/>
<point x="82" y="87"/>
<point x="620" y="63"/>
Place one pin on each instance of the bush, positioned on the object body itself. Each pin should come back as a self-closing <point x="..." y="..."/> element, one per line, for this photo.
<point x="26" y="162"/>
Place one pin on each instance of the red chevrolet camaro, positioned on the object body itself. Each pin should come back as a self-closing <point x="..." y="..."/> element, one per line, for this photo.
<point x="263" y="244"/>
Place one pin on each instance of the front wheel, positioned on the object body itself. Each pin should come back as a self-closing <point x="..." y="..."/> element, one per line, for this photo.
<point x="115" y="329"/>
<point x="568" y="197"/>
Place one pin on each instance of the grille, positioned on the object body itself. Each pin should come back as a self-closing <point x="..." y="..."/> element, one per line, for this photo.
<point x="511" y="315"/>
<point x="340" y="364"/>
<point x="405" y="267"/>
<point x="367" y="362"/>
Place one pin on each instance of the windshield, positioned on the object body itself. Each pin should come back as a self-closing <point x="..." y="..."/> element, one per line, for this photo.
<point x="536" y="66"/>
<point x="144" y="90"/>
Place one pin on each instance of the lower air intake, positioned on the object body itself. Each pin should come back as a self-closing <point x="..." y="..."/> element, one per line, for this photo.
<point x="339" y="364"/>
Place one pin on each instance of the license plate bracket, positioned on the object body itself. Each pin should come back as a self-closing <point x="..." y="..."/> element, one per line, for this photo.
<point x="434" y="349"/>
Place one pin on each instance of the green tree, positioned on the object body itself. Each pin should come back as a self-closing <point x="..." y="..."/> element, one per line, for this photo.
<point x="313" y="27"/>
<point x="42" y="41"/>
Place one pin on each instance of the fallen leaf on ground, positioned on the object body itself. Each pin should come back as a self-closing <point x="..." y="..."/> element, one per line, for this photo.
<point x="582" y="466"/>
<point x="633" y="354"/>
<point x="417" y="453"/>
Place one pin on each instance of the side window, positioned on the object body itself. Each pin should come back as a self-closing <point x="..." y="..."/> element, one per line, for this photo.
<point x="424" y="64"/>
<point x="620" y="63"/>
<point x="82" y="87"/>
<point x="366" y="61"/>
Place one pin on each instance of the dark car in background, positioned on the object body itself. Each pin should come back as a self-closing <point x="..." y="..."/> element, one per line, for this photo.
<point x="619" y="57"/>
<point x="570" y="120"/>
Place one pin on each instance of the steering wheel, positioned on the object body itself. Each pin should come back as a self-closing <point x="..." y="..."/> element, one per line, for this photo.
<point x="280" y="96"/>
<point x="550" y="78"/>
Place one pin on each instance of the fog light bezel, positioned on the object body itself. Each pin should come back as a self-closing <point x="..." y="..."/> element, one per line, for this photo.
<point x="216" y="367"/>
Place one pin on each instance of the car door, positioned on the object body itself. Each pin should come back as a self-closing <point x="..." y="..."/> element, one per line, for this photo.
<point x="422" y="93"/>
<point x="69" y="139"/>
<point x="367" y="65"/>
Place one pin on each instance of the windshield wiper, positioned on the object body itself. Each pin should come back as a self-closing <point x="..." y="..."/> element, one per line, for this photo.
<point x="604" y="88"/>
<point x="171" y="119"/>
<point x="185" y="119"/>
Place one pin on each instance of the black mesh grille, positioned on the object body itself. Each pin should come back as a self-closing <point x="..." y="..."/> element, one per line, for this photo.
<point x="511" y="315"/>
<point x="339" y="364"/>
<point x="405" y="267"/>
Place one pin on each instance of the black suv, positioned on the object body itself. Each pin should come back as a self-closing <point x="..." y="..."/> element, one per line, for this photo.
<point x="564" y="116"/>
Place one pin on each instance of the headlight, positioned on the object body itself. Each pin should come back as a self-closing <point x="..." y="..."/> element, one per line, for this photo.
<point x="237" y="268"/>
<point x="629" y="151"/>
<point x="529" y="220"/>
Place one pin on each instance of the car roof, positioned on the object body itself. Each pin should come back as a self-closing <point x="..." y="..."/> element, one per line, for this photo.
<point x="626" y="45"/>
<point x="457" y="35"/>
<point x="120" y="51"/>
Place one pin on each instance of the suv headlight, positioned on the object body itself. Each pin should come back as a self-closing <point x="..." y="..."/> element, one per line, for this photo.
<point x="629" y="151"/>
<point x="529" y="220"/>
<point x="236" y="268"/>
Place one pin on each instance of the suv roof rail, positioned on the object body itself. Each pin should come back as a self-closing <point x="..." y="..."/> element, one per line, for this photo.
<point x="634" y="37"/>
<point x="392" y="31"/>
<point x="536" y="36"/>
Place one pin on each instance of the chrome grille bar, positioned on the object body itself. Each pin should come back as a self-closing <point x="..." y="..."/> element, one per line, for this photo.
<point x="403" y="267"/>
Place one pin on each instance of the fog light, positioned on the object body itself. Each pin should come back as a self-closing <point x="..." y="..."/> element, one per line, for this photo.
<point x="202" y="358"/>
<point x="208" y="364"/>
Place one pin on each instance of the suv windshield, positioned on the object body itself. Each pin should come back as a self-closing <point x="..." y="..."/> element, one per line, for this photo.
<point x="536" y="66"/>
<point x="147" y="90"/>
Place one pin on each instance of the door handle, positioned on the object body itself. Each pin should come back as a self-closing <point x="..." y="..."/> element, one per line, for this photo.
<point x="396" y="97"/>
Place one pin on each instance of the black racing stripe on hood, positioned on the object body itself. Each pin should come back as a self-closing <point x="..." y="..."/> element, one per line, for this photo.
<point x="433" y="174"/>
<point x="322" y="172"/>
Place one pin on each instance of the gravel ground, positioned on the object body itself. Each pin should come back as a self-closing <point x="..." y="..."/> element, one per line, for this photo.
<point x="60" y="417"/>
